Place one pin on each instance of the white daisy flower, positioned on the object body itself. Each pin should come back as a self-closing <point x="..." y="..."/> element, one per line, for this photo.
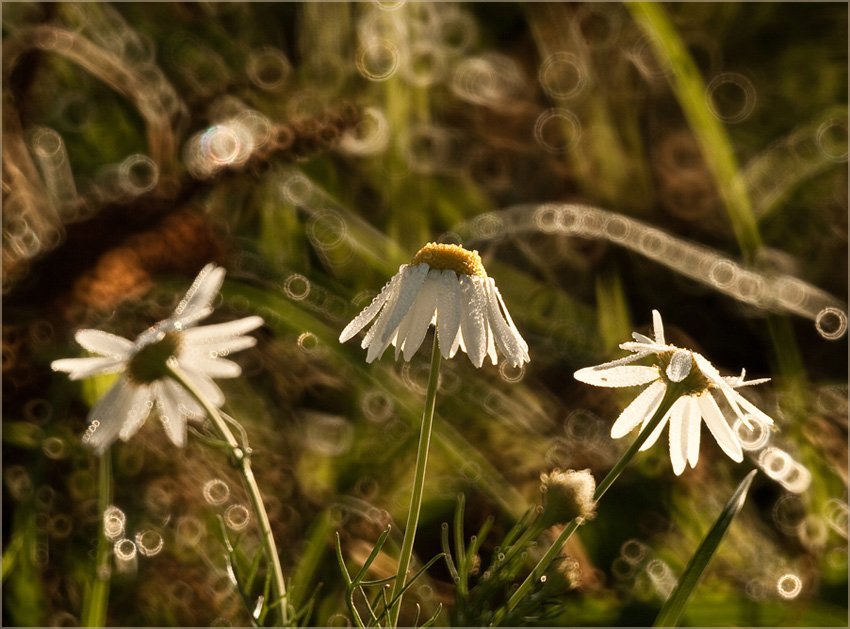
<point x="144" y="383"/>
<point x="700" y="380"/>
<point x="446" y="285"/>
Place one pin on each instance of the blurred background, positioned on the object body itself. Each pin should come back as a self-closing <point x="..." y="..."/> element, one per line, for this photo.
<point x="604" y="159"/>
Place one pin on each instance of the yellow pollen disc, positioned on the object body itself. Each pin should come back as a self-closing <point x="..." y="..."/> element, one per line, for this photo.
<point x="450" y="257"/>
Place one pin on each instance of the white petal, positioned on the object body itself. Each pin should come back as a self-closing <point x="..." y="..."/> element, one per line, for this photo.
<point x="680" y="365"/>
<point x="369" y="312"/>
<point x="646" y="348"/>
<point x="691" y="429"/>
<point x="640" y="338"/>
<point x="170" y="397"/>
<point x="656" y="433"/>
<point x="448" y="311"/>
<point x="409" y="289"/>
<point x="624" y="376"/>
<point x="139" y="406"/>
<point x="718" y="426"/>
<point x="709" y="371"/>
<point x="104" y="343"/>
<point x="626" y="360"/>
<point x="213" y="367"/>
<point x="107" y="416"/>
<point x="678" y="436"/>
<point x="413" y="329"/>
<point x="386" y="309"/>
<point x="79" y="368"/>
<point x="752" y="409"/>
<point x="206" y="387"/>
<point x="196" y="304"/>
<point x="506" y="336"/>
<point x="643" y="406"/>
<point x="222" y="331"/>
<point x="221" y="347"/>
<point x="473" y="325"/>
<point x="658" y="328"/>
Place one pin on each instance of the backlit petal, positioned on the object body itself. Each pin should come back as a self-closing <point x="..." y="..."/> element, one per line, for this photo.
<point x="643" y="406"/>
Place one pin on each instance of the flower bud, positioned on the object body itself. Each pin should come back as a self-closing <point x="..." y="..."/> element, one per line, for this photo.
<point x="566" y="496"/>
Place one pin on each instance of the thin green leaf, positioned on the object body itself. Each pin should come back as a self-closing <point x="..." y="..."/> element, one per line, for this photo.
<point x="674" y="607"/>
<point x="460" y="549"/>
<point x="341" y="561"/>
<point x="453" y="572"/>
<point x="415" y="577"/>
<point x="377" y="549"/>
<point x="430" y="622"/>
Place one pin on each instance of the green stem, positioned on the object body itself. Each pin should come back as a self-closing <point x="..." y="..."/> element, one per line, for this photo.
<point x="244" y="466"/>
<point x="94" y="606"/>
<point x="418" y="485"/>
<point x="672" y="394"/>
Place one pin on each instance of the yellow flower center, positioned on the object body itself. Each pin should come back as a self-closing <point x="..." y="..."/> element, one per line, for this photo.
<point x="148" y="364"/>
<point x="694" y="383"/>
<point x="450" y="258"/>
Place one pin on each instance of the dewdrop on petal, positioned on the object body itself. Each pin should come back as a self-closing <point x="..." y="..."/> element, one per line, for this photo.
<point x="566" y="496"/>
<point x="444" y="285"/>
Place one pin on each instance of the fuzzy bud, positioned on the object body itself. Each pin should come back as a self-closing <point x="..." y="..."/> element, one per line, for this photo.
<point x="566" y="496"/>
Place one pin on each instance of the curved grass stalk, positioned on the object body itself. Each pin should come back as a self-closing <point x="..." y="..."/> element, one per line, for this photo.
<point x="690" y="91"/>
<point x="243" y="463"/>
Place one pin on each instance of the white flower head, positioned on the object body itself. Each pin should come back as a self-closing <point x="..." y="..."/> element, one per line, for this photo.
<point x="199" y="352"/>
<point x="446" y="285"/>
<point x="700" y="381"/>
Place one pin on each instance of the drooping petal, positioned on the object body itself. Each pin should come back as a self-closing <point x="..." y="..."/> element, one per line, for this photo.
<point x="389" y="304"/>
<point x="79" y="368"/>
<point x="139" y="406"/>
<point x="726" y="438"/>
<point x="420" y="316"/>
<point x="408" y="290"/>
<point x="656" y="433"/>
<point x="677" y="436"/>
<point x="473" y="323"/>
<point x="643" y="406"/>
<point x="104" y="343"/>
<point x="169" y="398"/>
<point x="369" y="312"/>
<point x="623" y="376"/>
<point x="206" y="386"/>
<point x="198" y="300"/>
<point x="691" y="429"/>
<point x="448" y="311"/>
<point x="107" y="416"/>
<point x="710" y="372"/>
<point x="506" y="336"/>
<point x="752" y="409"/>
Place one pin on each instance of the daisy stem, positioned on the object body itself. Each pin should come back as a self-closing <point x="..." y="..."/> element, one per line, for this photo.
<point x="244" y="465"/>
<point x="673" y="392"/>
<point x="418" y="486"/>
<point x="94" y="605"/>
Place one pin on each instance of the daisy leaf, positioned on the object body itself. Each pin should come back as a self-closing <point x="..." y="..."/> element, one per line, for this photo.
<point x="673" y="609"/>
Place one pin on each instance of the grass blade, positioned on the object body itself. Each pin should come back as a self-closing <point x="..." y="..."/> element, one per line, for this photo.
<point x="674" y="607"/>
